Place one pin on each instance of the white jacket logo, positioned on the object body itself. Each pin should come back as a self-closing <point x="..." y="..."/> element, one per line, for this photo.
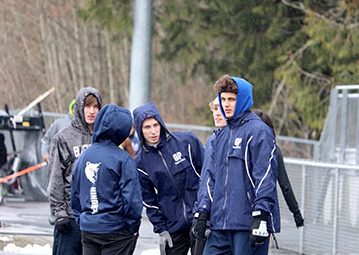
<point x="237" y="143"/>
<point x="91" y="174"/>
<point x="91" y="171"/>
<point x="178" y="157"/>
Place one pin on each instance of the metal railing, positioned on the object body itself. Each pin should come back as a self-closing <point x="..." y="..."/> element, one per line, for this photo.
<point x="327" y="196"/>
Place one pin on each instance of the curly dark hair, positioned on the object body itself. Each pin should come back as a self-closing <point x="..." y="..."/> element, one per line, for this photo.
<point x="225" y="84"/>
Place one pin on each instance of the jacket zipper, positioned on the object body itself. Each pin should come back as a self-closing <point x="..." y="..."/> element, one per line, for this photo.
<point x="226" y="181"/>
<point x="174" y="185"/>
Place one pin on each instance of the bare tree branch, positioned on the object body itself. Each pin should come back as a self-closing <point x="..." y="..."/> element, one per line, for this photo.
<point x="276" y="96"/>
<point x="331" y="20"/>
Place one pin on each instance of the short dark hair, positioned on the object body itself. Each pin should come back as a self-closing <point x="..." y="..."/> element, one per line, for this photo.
<point x="91" y="100"/>
<point x="225" y="84"/>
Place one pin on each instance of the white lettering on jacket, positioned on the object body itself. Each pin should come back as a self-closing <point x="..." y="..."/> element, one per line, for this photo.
<point x="79" y="149"/>
<point x="91" y="170"/>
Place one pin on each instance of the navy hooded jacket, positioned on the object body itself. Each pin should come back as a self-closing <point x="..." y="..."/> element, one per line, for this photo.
<point x="106" y="193"/>
<point x="243" y="169"/>
<point x="169" y="174"/>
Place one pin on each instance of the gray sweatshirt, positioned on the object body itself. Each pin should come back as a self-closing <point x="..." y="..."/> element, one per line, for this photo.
<point x="66" y="147"/>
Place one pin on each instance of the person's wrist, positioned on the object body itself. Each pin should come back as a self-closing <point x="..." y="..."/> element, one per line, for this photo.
<point x="201" y="215"/>
<point x="259" y="214"/>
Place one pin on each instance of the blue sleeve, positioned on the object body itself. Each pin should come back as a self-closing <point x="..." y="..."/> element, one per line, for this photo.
<point x="150" y="202"/>
<point x="205" y="191"/>
<point x="264" y="170"/>
<point x="131" y="193"/>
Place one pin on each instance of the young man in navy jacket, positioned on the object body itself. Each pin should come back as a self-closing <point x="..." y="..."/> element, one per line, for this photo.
<point x="219" y="123"/>
<point x="169" y="165"/>
<point x="106" y="194"/>
<point x="241" y="200"/>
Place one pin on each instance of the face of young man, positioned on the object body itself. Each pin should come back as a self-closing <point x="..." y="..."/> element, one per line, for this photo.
<point x="90" y="112"/>
<point x="218" y="118"/>
<point x="228" y="103"/>
<point x="151" y="130"/>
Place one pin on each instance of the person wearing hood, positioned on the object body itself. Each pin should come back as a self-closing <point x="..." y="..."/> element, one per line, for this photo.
<point x="55" y="127"/>
<point x="106" y="193"/>
<point x="241" y="201"/>
<point x="66" y="147"/>
<point x="169" y="165"/>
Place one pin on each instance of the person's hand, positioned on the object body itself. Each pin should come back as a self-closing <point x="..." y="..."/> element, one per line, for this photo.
<point x="165" y="238"/>
<point x="298" y="218"/>
<point x="63" y="225"/>
<point x="199" y="225"/>
<point x="259" y="232"/>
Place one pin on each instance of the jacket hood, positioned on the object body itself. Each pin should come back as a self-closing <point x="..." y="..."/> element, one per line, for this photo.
<point x="113" y="123"/>
<point x="244" y="97"/>
<point x="141" y="113"/>
<point x="79" y="116"/>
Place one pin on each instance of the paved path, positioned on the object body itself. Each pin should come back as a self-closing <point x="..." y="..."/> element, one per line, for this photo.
<point x="27" y="223"/>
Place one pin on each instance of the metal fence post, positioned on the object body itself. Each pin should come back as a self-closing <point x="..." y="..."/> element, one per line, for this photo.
<point x="343" y="126"/>
<point x="304" y="176"/>
<point x="332" y="126"/>
<point x="357" y="136"/>
<point x="336" y="208"/>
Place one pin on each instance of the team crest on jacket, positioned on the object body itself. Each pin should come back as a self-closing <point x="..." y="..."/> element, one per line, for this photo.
<point x="178" y="157"/>
<point x="237" y="143"/>
<point x="91" y="170"/>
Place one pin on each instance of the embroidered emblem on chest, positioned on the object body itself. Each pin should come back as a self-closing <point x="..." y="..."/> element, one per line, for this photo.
<point x="237" y="143"/>
<point x="178" y="157"/>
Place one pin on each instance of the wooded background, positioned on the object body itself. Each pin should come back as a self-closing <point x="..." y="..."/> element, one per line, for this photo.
<point x="293" y="52"/>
